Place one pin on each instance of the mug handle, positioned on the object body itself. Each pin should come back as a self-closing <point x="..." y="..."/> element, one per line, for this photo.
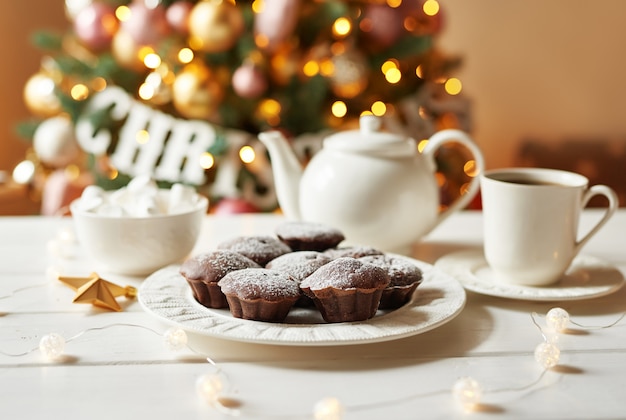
<point x="458" y="136"/>
<point x="610" y="210"/>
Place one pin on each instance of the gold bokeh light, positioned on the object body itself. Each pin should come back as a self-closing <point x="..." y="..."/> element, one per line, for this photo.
<point x="431" y="7"/>
<point x="453" y="86"/>
<point x="247" y="154"/>
<point x="339" y="109"/>
<point x="342" y="27"/>
<point x="207" y="160"/>
<point x="379" y="108"/>
<point x="79" y="92"/>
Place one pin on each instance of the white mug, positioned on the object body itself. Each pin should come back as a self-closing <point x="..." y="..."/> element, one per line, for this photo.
<point x="531" y="218"/>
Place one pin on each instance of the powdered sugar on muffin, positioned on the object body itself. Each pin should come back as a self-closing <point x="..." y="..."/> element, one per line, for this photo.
<point x="299" y="264"/>
<point x="259" y="248"/>
<point x="203" y="271"/>
<point x="308" y="236"/>
<point x="346" y="289"/>
<point x="260" y="294"/>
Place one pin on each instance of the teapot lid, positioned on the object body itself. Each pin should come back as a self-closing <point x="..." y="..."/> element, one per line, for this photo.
<point x="369" y="139"/>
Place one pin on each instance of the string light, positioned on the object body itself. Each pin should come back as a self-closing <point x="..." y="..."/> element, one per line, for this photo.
<point x="175" y="339"/>
<point x="467" y="392"/>
<point x="557" y="319"/>
<point x="547" y="354"/>
<point x="209" y="387"/>
<point x="52" y="346"/>
<point x="329" y="408"/>
<point x="63" y="245"/>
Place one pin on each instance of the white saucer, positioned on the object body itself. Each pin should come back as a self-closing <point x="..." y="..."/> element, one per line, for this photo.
<point x="588" y="277"/>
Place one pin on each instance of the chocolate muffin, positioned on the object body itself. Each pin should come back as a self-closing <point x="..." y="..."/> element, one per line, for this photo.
<point x="346" y="289"/>
<point x="300" y="265"/>
<point x="309" y="236"/>
<point x="203" y="271"/>
<point x="260" y="248"/>
<point x="260" y="294"/>
<point x="356" y="251"/>
<point x="405" y="277"/>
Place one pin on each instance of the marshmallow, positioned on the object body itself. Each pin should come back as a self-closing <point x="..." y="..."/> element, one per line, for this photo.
<point x="140" y="198"/>
<point x="182" y="198"/>
<point x="111" y="210"/>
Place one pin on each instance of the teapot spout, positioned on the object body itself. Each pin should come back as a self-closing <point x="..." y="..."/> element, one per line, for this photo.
<point x="287" y="172"/>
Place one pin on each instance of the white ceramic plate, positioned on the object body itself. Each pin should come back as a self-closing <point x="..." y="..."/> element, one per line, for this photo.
<point x="166" y="295"/>
<point x="587" y="277"/>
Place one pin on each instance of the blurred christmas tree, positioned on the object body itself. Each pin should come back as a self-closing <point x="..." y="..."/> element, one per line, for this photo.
<point x="180" y="88"/>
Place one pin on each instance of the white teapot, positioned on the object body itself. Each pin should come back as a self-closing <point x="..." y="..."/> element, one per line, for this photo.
<point x="376" y="187"/>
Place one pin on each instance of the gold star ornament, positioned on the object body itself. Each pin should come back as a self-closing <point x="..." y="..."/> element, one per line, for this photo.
<point x="98" y="291"/>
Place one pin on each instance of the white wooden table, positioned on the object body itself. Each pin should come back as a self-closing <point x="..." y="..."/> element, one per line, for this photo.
<point x="124" y="370"/>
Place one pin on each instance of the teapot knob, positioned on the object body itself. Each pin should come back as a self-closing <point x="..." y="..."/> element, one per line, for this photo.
<point x="369" y="123"/>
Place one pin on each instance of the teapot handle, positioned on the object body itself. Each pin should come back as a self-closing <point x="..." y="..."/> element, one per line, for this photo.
<point x="458" y="136"/>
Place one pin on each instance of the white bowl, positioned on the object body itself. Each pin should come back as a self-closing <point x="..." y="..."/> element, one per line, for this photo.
<point x="138" y="245"/>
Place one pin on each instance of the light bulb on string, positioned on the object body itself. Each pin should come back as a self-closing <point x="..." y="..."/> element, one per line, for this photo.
<point x="52" y="346"/>
<point x="467" y="392"/>
<point x="329" y="408"/>
<point x="557" y="319"/>
<point x="209" y="387"/>
<point x="175" y="339"/>
<point x="547" y="354"/>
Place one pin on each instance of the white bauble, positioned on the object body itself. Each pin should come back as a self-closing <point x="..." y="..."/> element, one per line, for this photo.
<point x="54" y="142"/>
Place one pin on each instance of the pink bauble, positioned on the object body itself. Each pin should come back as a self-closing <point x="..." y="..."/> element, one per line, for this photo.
<point x="147" y="26"/>
<point x="277" y="21"/>
<point x="177" y="16"/>
<point x="385" y="24"/>
<point x="249" y="81"/>
<point x="234" y="206"/>
<point x="95" y="25"/>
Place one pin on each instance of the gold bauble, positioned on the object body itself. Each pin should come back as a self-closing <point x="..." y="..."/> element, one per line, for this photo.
<point x="126" y="51"/>
<point x="196" y="93"/>
<point x="39" y="96"/>
<point x="350" y="74"/>
<point x="215" y="25"/>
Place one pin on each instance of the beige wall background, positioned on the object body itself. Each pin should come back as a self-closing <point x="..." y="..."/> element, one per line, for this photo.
<point x="548" y="70"/>
<point x="18" y="61"/>
<point x="554" y="71"/>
